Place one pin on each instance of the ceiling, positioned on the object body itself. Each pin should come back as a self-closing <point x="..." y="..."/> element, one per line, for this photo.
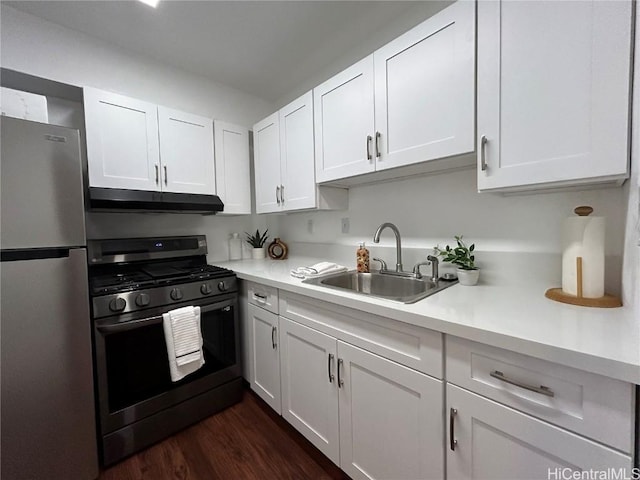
<point x="265" y="48"/>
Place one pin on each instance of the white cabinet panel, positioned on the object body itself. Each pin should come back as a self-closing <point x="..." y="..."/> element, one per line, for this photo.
<point x="309" y="386"/>
<point x="496" y="442"/>
<point x="424" y="90"/>
<point x="343" y="120"/>
<point x="122" y="141"/>
<point x="266" y="151"/>
<point x="298" y="182"/>
<point x="553" y="102"/>
<point x="390" y="419"/>
<point x="266" y="356"/>
<point x="186" y="152"/>
<point x="233" y="181"/>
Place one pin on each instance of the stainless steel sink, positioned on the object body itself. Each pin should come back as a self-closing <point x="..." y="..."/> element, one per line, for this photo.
<point x="382" y="285"/>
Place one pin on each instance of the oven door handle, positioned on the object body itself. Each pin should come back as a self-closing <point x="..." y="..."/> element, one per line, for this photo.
<point x="130" y="325"/>
<point x="143" y="322"/>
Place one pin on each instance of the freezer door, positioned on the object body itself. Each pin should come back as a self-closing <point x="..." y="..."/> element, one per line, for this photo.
<point x="41" y="193"/>
<point x="48" y="411"/>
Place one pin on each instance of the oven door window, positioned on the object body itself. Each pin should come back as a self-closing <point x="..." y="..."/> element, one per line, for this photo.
<point x="137" y="363"/>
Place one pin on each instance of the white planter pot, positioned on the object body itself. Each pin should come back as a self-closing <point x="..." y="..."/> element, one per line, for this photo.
<point x="257" y="253"/>
<point x="468" y="277"/>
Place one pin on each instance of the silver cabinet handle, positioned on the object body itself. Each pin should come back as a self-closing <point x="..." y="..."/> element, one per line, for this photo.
<point x="483" y="158"/>
<point x="157" y="174"/>
<point x="378" y="153"/>
<point x="278" y="195"/>
<point x="452" y="441"/>
<point x="274" y="344"/>
<point x="282" y="194"/>
<point x="258" y="297"/>
<point x="369" y="138"/>
<point x="340" y="381"/>
<point x="329" y="361"/>
<point x="166" y="178"/>
<point x="542" y="390"/>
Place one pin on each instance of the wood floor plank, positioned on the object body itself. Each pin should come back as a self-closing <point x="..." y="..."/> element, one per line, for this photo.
<point x="246" y="441"/>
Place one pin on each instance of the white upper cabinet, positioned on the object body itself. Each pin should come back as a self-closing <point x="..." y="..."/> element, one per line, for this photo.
<point x="233" y="184"/>
<point x="424" y="90"/>
<point x="553" y="93"/>
<point x="138" y="145"/>
<point x="410" y="102"/>
<point x="266" y="152"/>
<point x="186" y="152"/>
<point x="284" y="162"/>
<point x="344" y="123"/>
<point x="298" y="189"/>
<point x="122" y="141"/>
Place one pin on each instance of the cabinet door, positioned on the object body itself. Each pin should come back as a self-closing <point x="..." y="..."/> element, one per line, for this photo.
<point x="186" y="152"/>
<point x="425" y="90"/>
<point x="497" y="442"/>
<point x="266" y="156"/>
<point x="309" y="385"/>
<point x="553" y="92"/>
<point x="265" y="356"/>
<point x="233" y="182"/>
<point x="122" y="141"/>
<point x="390" y="418"/>
<point x="343" y="121"/>
<point x="298" y="189"/>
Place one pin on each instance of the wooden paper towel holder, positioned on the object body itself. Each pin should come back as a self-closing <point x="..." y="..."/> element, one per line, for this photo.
<point x="557" y="294"/>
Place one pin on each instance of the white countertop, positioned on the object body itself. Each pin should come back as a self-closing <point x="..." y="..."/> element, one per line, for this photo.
<point x="518" y="318"/>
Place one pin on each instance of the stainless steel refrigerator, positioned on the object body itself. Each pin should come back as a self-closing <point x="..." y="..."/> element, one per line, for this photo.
<point x="47" y="419"/>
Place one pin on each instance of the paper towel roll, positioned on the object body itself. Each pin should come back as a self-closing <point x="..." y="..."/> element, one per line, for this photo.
<point x="583" y="237"/>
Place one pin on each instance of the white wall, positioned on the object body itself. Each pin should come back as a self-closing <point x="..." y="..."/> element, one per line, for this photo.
<point x="38" y="47"/>
<point x="31" y="45"/>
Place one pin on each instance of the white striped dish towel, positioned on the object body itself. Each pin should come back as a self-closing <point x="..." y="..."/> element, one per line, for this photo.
<point x="184" y="341"/>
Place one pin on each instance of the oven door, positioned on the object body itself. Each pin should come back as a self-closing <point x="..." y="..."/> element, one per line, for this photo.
<point x="133" y="369"/>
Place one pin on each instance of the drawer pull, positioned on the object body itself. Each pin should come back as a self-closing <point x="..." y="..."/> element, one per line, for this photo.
<point x="258" y="297"/>
<point x="452" y="441"/>
<point x="331" y="377"/>
<point x="541" y="389"/>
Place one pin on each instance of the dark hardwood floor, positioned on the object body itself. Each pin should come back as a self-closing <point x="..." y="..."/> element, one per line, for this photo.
<point x="245" y="441"/>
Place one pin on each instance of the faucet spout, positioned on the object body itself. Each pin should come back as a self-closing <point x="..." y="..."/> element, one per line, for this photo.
<point x="396" y="232"/>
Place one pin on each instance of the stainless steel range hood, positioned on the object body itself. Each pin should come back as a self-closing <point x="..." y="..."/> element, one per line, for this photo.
<point x="114" y="199"/>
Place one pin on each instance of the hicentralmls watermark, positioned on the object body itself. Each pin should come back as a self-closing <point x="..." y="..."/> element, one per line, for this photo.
<point x="606" y="474"/>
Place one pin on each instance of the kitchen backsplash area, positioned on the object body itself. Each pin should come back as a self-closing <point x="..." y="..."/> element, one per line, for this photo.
<point x="430" y="210"/>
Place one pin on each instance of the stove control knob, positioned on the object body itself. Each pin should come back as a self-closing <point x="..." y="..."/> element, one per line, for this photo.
<point x="142" y="300"/>
<point x="222" y="287"/>
<point x="176" y="294"/>
<point x="205" y="289"/>
<point x="117" y="304"/>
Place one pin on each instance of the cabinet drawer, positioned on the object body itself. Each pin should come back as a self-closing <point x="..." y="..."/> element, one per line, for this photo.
<point x="592" y="405"/>
<point x="263" y="296"/>
<point x="412" y="346"/>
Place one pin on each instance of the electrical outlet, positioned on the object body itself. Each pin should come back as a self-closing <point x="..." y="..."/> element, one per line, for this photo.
<point x="345" y="225"/>
<point x="310" y="226"/>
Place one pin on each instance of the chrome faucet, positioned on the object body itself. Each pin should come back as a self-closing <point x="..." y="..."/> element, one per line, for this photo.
<point x="431" y="260"/>
<point x="376" y="239"/>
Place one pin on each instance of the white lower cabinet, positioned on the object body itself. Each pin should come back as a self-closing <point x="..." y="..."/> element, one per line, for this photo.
<point x="373" y="417"/>
<point x="488" y="440"/>
<point x="265" y="356"/>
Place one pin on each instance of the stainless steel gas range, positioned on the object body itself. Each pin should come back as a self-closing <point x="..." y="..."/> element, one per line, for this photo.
<point x="132" y="283"/>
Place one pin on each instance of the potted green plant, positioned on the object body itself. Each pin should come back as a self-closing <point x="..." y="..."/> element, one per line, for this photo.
<point x="463" y="257"/>
<point x="257" y="241"/>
